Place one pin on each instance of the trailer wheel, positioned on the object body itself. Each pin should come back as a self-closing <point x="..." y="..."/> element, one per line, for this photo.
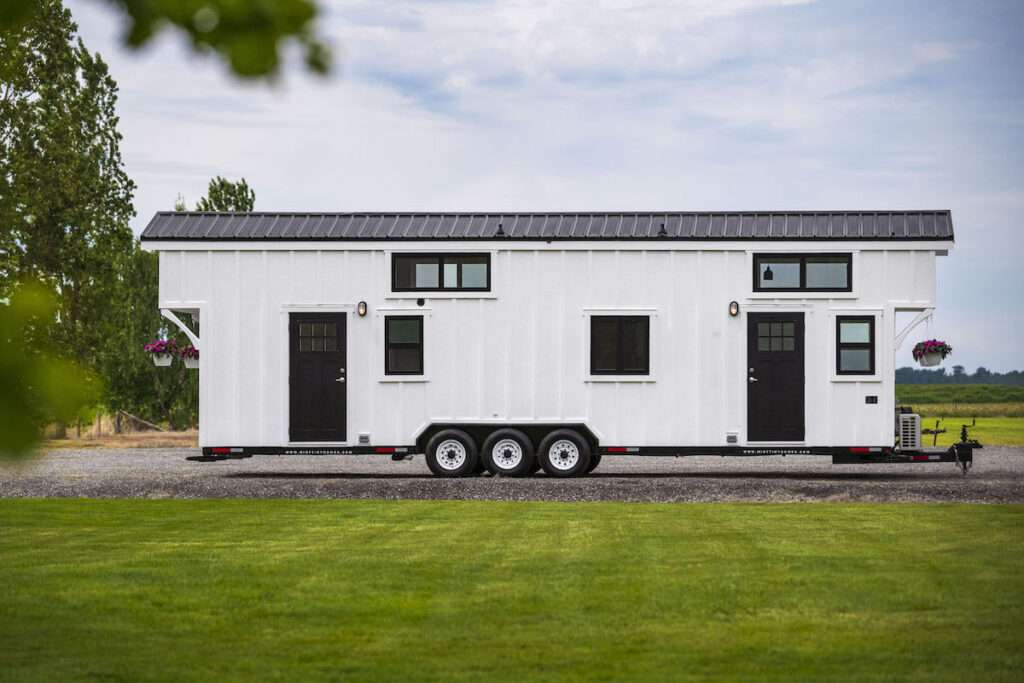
<point x="508" y="452"/>
<point x="564" y="453"/>
<point x="452" y="453"/>
<point x="595" y="460"/>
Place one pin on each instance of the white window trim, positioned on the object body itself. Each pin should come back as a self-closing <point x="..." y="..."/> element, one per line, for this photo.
<point x="652" y="344"/>
<point x="381" y="348"/>
<point x="753" y="295"/>
<point x="392" y="295"/>
<point x="879" y="348"/>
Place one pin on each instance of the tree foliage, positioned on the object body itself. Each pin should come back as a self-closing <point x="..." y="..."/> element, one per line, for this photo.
<point x="37" y="386"/>
<point x="133" y="383"/>
<point x="246" y="34"/>
<point x="224" y="195"/>
<point x="982" y="375"/>
<point x="65" y="200"/>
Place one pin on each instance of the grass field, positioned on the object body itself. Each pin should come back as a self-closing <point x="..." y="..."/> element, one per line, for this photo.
<point x="183" y="439"/>
<point x="996" y="411"/>
<point x="990" y="431"/>
<point x="959" y="393"/>
<point x="354" y="590"/>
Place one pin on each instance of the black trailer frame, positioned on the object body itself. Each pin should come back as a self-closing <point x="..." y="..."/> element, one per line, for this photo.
<point x="961" y="454"/>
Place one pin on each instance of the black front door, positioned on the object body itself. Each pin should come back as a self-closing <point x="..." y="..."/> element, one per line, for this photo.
<point x="316" y="377"/>
<point x="775" y="377"/>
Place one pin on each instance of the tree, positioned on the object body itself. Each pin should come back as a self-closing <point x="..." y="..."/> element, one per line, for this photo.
<point x="224" y="195"/>
<point x="65" y="200"/>
<point x="246" y="34"/>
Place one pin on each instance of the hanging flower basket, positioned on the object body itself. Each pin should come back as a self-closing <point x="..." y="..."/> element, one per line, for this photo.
<point x="162" y="351"/>
<point x="190" y="356"/>
<point x="932" y="352"/>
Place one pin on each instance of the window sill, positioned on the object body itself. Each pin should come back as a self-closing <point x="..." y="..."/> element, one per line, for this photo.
<point x="412" y="296"/>
<point x="756" y="296"/>
<point x="394" y="379"/>
<point x="857" y="378"/>
<point x="619" y="378"/>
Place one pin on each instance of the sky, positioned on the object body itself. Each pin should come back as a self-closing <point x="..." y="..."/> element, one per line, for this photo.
<point x="458" y="105"/>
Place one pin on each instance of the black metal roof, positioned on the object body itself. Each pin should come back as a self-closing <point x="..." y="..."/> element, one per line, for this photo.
<point x="673" y="225"/>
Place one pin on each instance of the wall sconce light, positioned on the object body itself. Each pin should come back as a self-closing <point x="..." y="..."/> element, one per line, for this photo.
<point x="361" y="309"/>
<point x="734" y="308"/>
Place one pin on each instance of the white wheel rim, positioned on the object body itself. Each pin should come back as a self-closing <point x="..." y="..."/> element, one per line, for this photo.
<point x="451" y="454"/>
<point x="507" y="454"/>
<point x="563" y="455"/>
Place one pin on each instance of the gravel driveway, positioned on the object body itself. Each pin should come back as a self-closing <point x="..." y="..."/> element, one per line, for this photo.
<point x="997" y="477"/>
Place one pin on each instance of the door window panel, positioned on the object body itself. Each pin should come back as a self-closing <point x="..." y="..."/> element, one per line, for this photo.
<point x="776" y="336"/>
<point x="318" y="337"/>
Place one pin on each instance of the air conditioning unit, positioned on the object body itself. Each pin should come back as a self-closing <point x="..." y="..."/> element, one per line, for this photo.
<point x="910" y="431"/>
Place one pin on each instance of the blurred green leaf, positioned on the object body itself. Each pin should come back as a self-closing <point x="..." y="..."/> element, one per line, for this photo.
<point x="37" y="386"/>
<point x="247" y="34"/>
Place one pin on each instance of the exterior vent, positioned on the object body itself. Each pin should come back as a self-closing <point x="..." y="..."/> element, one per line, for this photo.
<point x="364" y="438"/>
<point x="910" y="431"/>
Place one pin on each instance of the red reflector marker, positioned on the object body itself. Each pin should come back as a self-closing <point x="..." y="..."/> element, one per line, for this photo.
<point x="385" y="450"/>
<point x="616" y="449"/>
<point x="919" y="457"/>
<point x="860" y="450"/>
<point x="220" y="450"/>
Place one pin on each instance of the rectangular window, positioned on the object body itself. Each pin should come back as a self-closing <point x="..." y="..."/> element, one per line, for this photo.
<point x="316" y="337"/>
<point x="803" y="272"/>
<point x="441" y="272"/>
<point x="403" y="345"/>
<point x="855" y="345"/>
<point x="620" y="345"/>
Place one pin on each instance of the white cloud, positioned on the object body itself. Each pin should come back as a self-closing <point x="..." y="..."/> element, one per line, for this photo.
<point x="746" y="104"/>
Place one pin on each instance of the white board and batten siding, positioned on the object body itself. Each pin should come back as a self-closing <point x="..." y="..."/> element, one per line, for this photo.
<point x="520" y="352"/>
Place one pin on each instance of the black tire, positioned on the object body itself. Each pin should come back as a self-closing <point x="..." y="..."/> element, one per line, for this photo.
<point x="458" y="456"/>
<point x="564" y="453"/>
<point x="595" y="460"/>
<point x="502" y="448"/>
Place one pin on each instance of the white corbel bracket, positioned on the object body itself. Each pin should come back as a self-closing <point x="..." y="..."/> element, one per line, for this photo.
<point x="918" y="319"/>
<point x="170" y="315"/>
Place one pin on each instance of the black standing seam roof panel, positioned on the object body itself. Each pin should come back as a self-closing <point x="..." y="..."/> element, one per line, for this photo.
<point x="629" y="226"/>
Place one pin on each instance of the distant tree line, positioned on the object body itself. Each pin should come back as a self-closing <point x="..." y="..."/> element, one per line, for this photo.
<point x="982" y="375"/>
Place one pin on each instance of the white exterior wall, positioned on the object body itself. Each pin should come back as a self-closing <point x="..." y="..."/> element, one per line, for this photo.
<point x="520" y="352"/>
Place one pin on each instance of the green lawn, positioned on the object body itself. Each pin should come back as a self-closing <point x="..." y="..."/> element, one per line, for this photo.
<point x="331" y="590"/>
<point x="990" y="431"/>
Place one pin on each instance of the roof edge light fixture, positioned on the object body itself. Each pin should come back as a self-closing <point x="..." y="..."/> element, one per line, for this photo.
<point x="361" y="309"/>
<point x="734" y="308"/>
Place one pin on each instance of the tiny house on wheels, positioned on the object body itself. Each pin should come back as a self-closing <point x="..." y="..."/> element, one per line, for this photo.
<point x="516" y="342"/>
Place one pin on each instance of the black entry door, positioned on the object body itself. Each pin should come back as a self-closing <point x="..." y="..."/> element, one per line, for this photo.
<point x="317" y="377"/>
<point x="775" y="377"/>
